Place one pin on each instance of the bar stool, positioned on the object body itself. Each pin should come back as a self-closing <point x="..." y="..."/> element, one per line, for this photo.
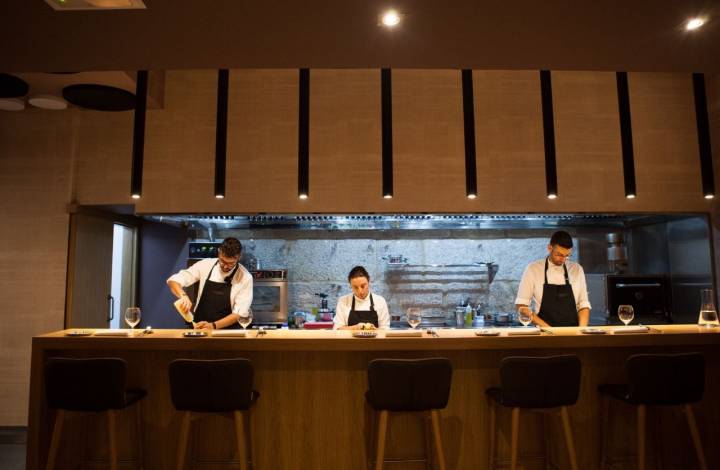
<point x="92" y="385"/>
<point x="407" y="386"/>
<point x="218" y="386"/>
<point x="546" y="384"/>
<point x="658" y="380"/>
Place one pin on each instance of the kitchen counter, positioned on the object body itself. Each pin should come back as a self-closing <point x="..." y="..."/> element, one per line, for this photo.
<point x="312" y="382"/>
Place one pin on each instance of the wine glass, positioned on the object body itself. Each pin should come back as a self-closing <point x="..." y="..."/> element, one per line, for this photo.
<point x="414" y="317"/>
<point x="626" y="313"/>
<point x="525" y="316"/>
<point x="132" y="318"/>
<point x="245" y="320"/>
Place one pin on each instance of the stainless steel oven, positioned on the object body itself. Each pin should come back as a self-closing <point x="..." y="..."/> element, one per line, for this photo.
<point x="270" y="297"/>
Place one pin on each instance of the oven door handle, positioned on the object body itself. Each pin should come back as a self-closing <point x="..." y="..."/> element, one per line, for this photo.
<point x="652" y="284"/>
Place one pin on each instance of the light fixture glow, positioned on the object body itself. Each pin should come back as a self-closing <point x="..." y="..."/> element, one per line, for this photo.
<point x="471" y="196"/>
<point x="388" y="196"/>
<point x="630" y="196"/>
<point x="694" y="23"/>
<point x="709" y="196"/>
<point x="390" y="18"/>
<point x="219" y="196"/>
<point x="552" y="196"/>
<point x="302" y="196"/>
<point x="136" y="196"/>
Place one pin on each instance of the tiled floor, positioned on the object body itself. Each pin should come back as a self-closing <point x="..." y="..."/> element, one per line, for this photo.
<point x="12" y="448"/>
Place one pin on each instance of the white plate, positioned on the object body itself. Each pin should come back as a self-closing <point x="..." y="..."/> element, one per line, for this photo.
<point x="592" y="331"/>
<point x="79" y="333"/>
<point x="487" y="333"/>
<point x="365" y="333"/>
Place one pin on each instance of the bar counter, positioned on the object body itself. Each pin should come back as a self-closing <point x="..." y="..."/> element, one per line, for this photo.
<point x="312" y="413"/>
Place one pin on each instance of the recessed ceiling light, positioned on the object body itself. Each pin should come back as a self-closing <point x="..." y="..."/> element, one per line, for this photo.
<point x="390" y="18"/>
<point x="694" y="23"/>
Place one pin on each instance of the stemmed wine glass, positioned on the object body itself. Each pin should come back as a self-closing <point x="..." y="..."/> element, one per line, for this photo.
<point x="245" y="320"/>
<point x="626" y="313"/>
<point x="525" y="316"/>
<point x="414" y="317"/>
<point x="132" y="318"/>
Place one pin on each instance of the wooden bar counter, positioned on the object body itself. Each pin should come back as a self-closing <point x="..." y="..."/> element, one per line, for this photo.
<point x="312" y="413"/>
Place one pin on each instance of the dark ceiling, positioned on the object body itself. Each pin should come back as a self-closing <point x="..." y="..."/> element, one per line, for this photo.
<point x="632" y="35"/>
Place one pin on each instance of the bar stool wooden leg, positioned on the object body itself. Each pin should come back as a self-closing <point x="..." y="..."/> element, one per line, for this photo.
<point x="435" y="415"/>
<point x="695" y="436"/>
<point x="515" y="431"/>
<point x="382" y="430"/>
<point x="642" y="411"/>
<point x="240" y="437"/>
<point x="139" y="433"/>
<point x="55" y="440"/>
<point x="568" y="437"/>
<point x="111" y="415"/>
<point x="183" y="440"/>
<point x="605" y="411"/>
<point x="428" y="444"/>
<point x="492" y="431"/>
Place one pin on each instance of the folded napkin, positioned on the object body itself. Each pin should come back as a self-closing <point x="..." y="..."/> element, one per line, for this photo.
<point x="112" y="332"/>
<point x="523" y="331"/>
<point x="404" y="333"/>
<point x="630" y="329"/>
<point x="236" y="333"/>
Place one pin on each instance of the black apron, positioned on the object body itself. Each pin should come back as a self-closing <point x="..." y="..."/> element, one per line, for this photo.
<point x="214" y="301"/>
<point x="558" y="306"/>
<point x="363" y="316"/>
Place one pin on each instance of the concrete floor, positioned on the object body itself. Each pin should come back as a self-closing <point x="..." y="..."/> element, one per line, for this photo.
<point x="12" y="448"/>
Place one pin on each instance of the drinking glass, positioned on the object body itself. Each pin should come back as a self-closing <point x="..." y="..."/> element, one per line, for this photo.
<point x="708" y="314"/>
<point x="245" y="320"/>
<point x="626" y="313"/>
<point x="413" y="317"/>
<point x="525" y="316"/>
<point x="132" y="318"/>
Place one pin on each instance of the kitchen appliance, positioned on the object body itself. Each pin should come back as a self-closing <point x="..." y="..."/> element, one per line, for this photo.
<point x="270" y="298"/>
<point x="649" y="295"/>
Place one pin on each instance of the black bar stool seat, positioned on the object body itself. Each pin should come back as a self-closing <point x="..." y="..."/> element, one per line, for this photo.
<point x="407" y="386"/>
<point x="93" y="385"/>
<point x="220" y="386"/>
<point x="658" y="380"/>
<point x="535" y="383"/>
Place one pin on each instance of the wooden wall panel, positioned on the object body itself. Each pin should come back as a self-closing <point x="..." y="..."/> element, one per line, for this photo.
<point x="35" y="161"/>
<point x="665" y="141"/>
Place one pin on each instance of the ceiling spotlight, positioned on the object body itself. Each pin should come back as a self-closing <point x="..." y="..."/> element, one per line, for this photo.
<point x="390" y="18"/>
<point x="694" y="23"/>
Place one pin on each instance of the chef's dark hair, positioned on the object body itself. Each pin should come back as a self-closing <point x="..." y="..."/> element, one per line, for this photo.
<point x="231" y="247"/>
<point x="358" y="271"/>
<point x="561" y="238"/>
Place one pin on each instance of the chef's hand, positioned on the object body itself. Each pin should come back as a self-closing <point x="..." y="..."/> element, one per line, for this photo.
<point x="203" y="325"/>
<point x="185" y="303"/>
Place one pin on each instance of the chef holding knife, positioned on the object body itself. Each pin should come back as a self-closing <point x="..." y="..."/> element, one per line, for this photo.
<point x="557" y="285"/>
<point x="225" y="288"/>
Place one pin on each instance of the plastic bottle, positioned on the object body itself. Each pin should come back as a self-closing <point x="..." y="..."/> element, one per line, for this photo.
<point x="479" y="321"/>
<point x="468" y="316"/>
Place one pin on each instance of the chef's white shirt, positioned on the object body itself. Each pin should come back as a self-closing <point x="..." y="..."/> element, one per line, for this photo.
<point x="531" y="283"/>
<point x="342" y="311"/>
<point x="241" y="292"/>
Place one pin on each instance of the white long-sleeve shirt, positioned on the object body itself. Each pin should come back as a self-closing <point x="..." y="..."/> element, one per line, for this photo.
<point x="241" y="292"/>
<point x="342" y="311"/>
<point x="531" y="283"/>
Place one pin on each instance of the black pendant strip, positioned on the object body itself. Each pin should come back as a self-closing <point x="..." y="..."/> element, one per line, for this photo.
<point x="139" y="134"/>
<point x="703" y="131"/>
<point x="469" y="122"/>
<point x="549" y="134"/>
<point x="304" y="134"/>
<point x="626" y="137"/>
<point x="387" y="139"/>
<point x="221" y="124"/>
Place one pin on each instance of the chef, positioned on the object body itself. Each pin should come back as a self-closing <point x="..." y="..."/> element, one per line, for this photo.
<point x="225" y="288"/>
<point x="557" y="285"/>
<point x="361" y="309"/>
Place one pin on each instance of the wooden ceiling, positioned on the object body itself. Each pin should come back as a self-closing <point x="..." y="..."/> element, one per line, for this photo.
<point x="632" y="35"/>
